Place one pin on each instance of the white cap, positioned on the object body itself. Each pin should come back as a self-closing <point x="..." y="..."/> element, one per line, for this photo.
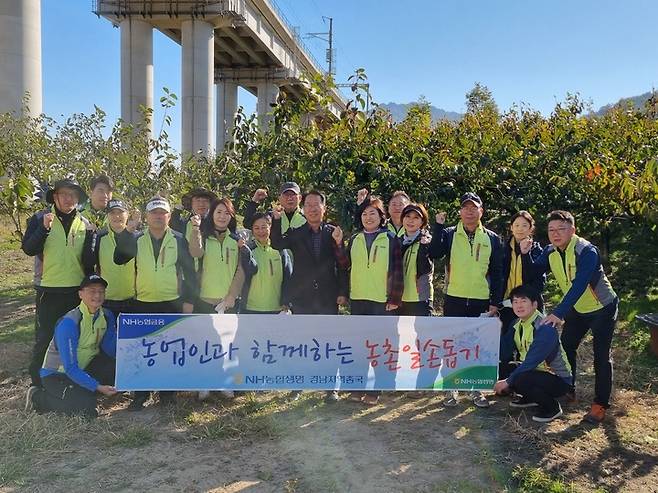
<point x="158" y="203"/>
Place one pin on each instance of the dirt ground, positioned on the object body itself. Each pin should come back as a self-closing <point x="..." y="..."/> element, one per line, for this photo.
<point x="266" y="443"/>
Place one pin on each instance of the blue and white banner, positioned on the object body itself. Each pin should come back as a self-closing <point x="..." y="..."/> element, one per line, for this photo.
<point x="278" y="352"/>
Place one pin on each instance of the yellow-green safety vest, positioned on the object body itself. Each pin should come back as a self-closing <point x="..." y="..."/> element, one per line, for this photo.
<point x="524" y="335"/>
<point x="469" y="264"/>
<point x="265" y="289"/>
<point x="565" y="272"/>
<point x="396" y="232"/>
<point x="62" y="254"/>
<point x="120" y="278"/>
<point x="409" y="261"/>
<point x="91" y="332"/>
<point x="369" y="272"/>
<point x="297" y="220"/>
<point x="220" y="261"/>
<point x="156" y="281"/>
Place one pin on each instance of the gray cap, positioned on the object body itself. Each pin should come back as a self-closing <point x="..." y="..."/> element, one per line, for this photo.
<point x="290" y="185"/>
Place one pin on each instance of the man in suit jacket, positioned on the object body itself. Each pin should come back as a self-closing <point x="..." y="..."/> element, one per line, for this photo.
<point x="319" y="278"/>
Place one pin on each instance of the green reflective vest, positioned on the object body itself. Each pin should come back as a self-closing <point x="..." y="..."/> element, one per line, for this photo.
<point x="156" y="281"/>
<point x="565" y="272"/>
<point x="62" y="254"/>
<point x="297" y="220"/>
<point x="92" y="331"/>
<point x="411" y="294"/>
<point x="220" y="261"/>
<point x="120" y="278"/>
<point x="369" y="271"/>
<point x="524" y="333"/>
<point x="396" y="232"/>
<point x="469" y="264"/>
<point x="265" y="289"/>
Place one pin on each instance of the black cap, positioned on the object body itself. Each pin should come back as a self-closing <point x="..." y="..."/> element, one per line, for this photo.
<point x="290" y="185"/>
<point x="66" y="183"/>
<point x="471" y="197"/>
<point x="116" y="204"/>
<point x="93" y="279"/>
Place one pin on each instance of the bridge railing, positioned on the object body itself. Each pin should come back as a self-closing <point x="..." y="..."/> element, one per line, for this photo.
<point x="146" y="8"/>
<point x="294" y="31"/>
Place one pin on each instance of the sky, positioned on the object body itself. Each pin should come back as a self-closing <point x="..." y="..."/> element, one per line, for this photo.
<point x="525" y="51"/>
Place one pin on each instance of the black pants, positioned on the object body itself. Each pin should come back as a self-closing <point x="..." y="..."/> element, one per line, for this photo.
<point x="316" y="307"/>
<point x="415" y="309"/>
<point x="255" y="312"/>
<point x="62" y="395"/>
<point x="366" y="307"/>
<point x="464" y="307"/>
<point x="51" y="306"/>
<point x="174" y="306"/>
<point x="602" y="324"/>
<point x="541" y="387"/>
<point x="203" y="307"/>
<point x="119" y="306"/>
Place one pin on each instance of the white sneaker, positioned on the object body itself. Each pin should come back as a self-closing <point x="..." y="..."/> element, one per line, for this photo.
<point x="29" y="403"/>
<point x="204" y="394"/>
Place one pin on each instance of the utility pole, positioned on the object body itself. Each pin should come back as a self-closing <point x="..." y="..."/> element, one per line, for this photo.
<point x="327" y="37"/>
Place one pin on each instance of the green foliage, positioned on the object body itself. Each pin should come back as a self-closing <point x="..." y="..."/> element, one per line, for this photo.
<point x="533" y="480"/>
<point x="604" y="169"/>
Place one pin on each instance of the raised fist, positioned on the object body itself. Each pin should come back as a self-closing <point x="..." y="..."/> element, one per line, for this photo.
<point x="441" y="217"/>
<point x="361" y="196"/>
<point x="48" y="220"/>
<point x="259" y="195"/>
<point x="195" y="220"/>
<point x="134" y="221"/>
<point x="526" y="245"/>
<point x="337" y="235"/>
<point x="276" y="212"/>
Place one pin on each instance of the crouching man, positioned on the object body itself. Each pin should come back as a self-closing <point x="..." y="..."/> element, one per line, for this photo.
<point x="80" y="360"/>
<point x="544" y="373"/>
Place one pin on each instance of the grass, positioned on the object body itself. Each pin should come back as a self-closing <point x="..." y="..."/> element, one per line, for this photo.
<point x="534" y="480"/>
<point x="132" y="436"/>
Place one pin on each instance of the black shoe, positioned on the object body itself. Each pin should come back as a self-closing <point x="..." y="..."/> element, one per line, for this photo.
<point x="295" y="395"/>
<point x="522" y="403"/>
<point x="548" y="416"/>
<point x="137" y="404"/>
<point x="331" y="396"/>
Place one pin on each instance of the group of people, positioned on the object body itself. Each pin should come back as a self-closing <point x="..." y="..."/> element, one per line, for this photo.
<point x="95" y="259"/>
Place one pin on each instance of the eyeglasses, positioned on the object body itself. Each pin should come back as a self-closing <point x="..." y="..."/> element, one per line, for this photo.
<point x="67" y="195"/>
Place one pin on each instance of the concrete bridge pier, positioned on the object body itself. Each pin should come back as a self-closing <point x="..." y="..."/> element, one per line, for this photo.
<point x="136" y="70"/>
<point x="197" y="86"/>
<point x="227" y="107"/>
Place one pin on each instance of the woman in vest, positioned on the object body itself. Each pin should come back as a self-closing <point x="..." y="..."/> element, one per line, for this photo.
<point x="98" y="256"/>
<point x="376" y="281"/>
<point x="417" y="264"/>
<point x="223" y="258"/>
<point x="517" y="270"/>
<point x="265" y="291"/>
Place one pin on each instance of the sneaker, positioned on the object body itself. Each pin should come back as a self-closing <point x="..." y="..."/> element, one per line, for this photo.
<point x="137" y="404"/>
<point x="548" y="416"/>
<point x="451" y="400"/>
<point x="479" y="400"/>
<point x="356" y="396"/>
<point x="295" y="395"/>
<point x="522" y="402"/>
<point x="29" y="402"/>
<point x="331" y="396"/>
<point x="228" y="394"/>
<point x="595" y="415"/>
<point x="204" y="394"/>
<point x="370" y="399"/>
